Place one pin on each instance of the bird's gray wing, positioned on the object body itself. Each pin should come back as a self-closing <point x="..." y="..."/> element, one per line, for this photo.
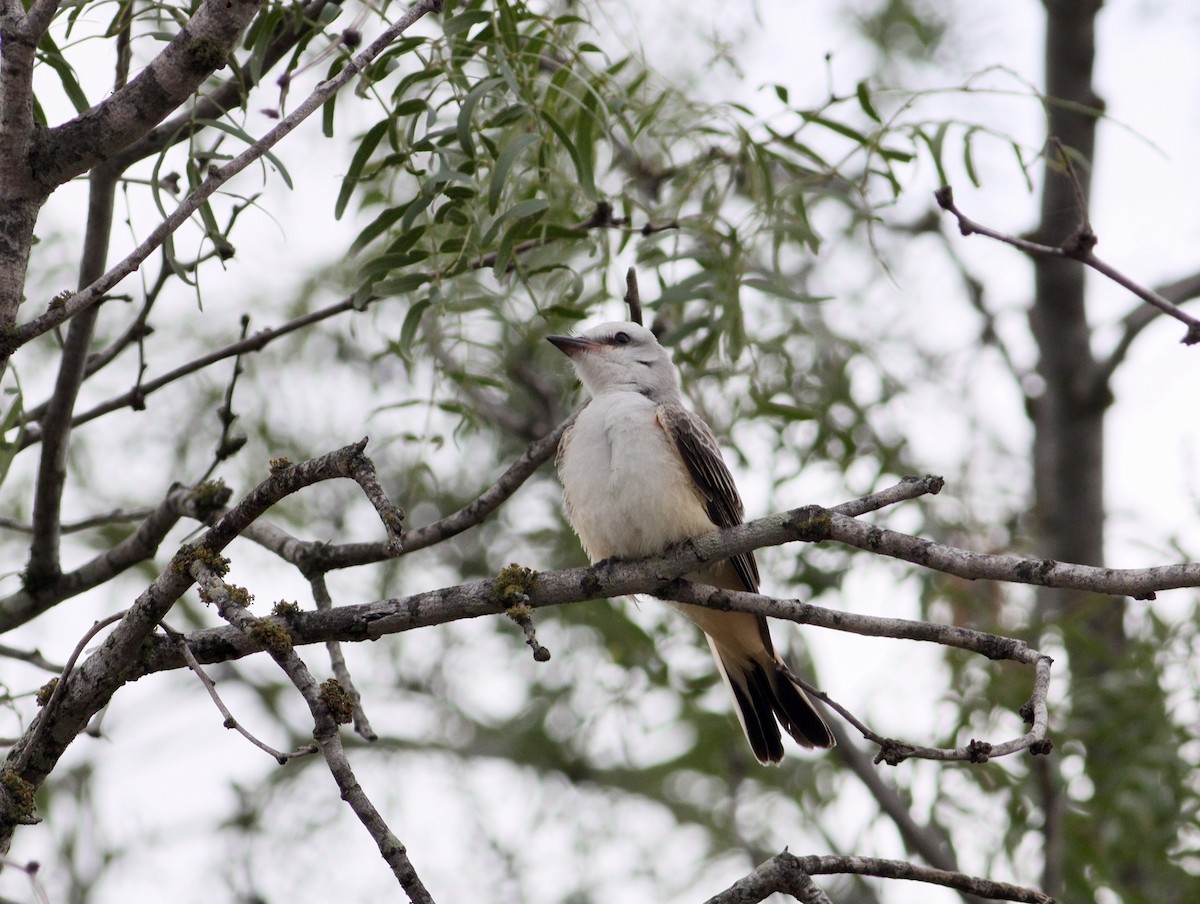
<point x="700" y="453"/>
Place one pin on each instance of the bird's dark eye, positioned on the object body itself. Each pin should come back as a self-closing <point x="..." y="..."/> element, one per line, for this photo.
<point x="622" y="338"/>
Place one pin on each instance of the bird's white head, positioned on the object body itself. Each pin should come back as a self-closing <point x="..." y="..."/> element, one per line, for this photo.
<point x="622" y="357"/>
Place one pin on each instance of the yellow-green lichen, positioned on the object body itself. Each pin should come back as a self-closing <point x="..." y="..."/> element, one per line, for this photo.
<point x="272" y="635"/>
<point x="20" y="794"/>
<point x="45" y="691"/>
<point x="513" y="585"/>
<point x="340" y="703"/>
<point x="211" y="494"/>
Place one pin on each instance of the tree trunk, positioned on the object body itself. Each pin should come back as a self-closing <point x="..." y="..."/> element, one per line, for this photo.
<point x="1121" y="835"/>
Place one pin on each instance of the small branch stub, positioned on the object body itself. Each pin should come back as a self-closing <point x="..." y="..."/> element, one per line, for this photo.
<point x="511" y="588"/>
<point x="633" y="297"/>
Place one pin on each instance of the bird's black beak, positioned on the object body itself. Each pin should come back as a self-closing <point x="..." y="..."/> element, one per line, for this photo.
<point x="570" y="345"/>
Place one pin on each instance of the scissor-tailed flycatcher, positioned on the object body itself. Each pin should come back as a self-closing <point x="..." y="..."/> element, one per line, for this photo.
<point x="639" y="473"/>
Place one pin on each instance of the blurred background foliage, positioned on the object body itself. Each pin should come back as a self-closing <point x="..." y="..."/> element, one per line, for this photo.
<point x="498" y="170"/>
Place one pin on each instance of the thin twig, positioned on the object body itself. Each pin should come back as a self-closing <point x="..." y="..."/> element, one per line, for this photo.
<point x="1078" y="247"/>
<point x="337" y="661"/>
<point x="230" y="442"/>
<point x="633" y="297"/>
<point x="787" y="873"/>
<point x="218" y="176"/>
<point x="60" y="685"/>
<point x="892" y="751"/>
<point x="33" y="657"/>
<point x="117" y="516"/>
<point x="230" y="607"/>
<point x="30" y="869"/>
<point x="230" y="722"/>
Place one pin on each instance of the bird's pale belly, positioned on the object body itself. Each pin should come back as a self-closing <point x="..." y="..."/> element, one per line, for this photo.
<point x="631" y="495"/>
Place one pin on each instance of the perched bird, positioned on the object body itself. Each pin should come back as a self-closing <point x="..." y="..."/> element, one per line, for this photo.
<point x="640" y="472"/>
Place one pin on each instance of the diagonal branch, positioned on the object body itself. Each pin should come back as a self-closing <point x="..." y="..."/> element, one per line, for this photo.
<point x="327" y="708"/>
<point x="85" y="691"/>
<point x="1133" y="323"/>
<point x="229" y="95"/>
<point x="200" y="47"/>
<point x="1079" y="248"/>
<point x="217" y="177"/>
<point x="792" y="875"/>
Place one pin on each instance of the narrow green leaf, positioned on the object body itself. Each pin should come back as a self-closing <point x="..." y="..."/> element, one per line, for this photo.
<point x="377" y="227"/>
<point x="780" y="288"/>
<point x="365" y="148"/>
<point x="969" y="158"/>
<point x="567" y="143"/>
<point x="504" y="164"/>
<point x="327" y="109"/>
<point x="523" y="209"/>
<point x="412" y="321"/>
<point x="864" y="100"/>
<point x="416" y="207"/>
<point x="935" y="143"/>
<point x="456" y="25"/>
<point x="241" y="134"/>
<point x="467" y="111"/>
<point x="53" y="57"/>
<point x="386" y="263"/>
<point x="834" y="126"/>
<point x="401" y="285"/>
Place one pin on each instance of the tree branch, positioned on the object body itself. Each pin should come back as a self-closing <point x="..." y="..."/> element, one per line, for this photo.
<point x="658" y="576"/>
<point x="229" y="95"/>
<point x="217" y="177"/>
<point x="28" y="603"/>
<point x="791" y="874"/>
<point x="200" y="47"/>
<point x="86" y="690"/>
<point x="1177" y="292"/>
<point x="326" y="706"/>
<point x="44" y="567"/>
<point x="230" y="722"/>
<point x="1079" y="248"/>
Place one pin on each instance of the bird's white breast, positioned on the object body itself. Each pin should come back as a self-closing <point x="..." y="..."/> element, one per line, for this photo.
<point x="628" y="493"/>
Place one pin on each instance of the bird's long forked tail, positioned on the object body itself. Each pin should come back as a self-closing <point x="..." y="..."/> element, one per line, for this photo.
<point x="766" y="697"/>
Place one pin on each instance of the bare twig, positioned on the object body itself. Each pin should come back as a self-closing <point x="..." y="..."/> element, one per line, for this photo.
<point x="1077" y="247"/>
<point x="28" y="603"/>
<point x="328" y="557"/>
<point x="136" y="397"/>
<point x="787" y="873"/>
<point x="892" y="751"/>
<point x="31" y="870"/>
<point x="1133" y="323"/>
<point x="633" y="297"/>
<point x="33" y="657"/>
<point x="218" y="176"/>
<point x="230" y="722"/>
<point x="230" y="442"/>
<point x="60" y="684"/>
<point x="337" y="661"/>
<point x="117" y="516"/>
<point x="231" y="607"/>
<point x="37" y="752"/>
